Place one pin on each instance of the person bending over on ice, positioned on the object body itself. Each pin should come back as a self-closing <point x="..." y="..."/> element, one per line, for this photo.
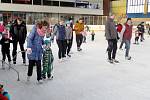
<point x="35" y="43"/>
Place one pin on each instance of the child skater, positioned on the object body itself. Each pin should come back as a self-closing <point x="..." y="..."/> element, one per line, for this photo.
<point x="136" y="37"/>
<point x="93" y="35"/>
<point x="5" y="47"/>
<point x="68" y="38"/>
<point x="47" y="58"/>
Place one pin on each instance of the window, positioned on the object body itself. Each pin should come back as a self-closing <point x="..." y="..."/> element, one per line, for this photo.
<point x="67" y="4"/>
<point x="22" y="1"/>
<point x="50" y="3"/>
<point x="6" y="1"/>
<point x="37" y="2"/>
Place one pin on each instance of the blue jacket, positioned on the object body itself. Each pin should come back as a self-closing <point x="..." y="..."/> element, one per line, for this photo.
<point x="35" y="42"/>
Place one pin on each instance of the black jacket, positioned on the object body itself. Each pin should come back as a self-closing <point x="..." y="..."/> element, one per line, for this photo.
<point x="18" y="32"/>
<point x="141" y="28"/>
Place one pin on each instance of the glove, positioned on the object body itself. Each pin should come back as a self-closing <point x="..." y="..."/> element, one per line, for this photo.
<point x="29" y="50"/>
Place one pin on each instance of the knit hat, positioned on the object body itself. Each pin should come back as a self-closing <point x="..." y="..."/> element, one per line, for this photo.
<point x="67" y="22"/>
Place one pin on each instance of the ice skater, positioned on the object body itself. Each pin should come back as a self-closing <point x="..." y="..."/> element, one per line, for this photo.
<point x="47" y="58"/>
<point x="136" y="37"/>
<point x="68" y="38"/>
<point x="93" y="35"/>
<point x="112" y="38"/>
<point x="35" y="50"/>
<point x="127" y="35"/>
<point x="5" y="47"/>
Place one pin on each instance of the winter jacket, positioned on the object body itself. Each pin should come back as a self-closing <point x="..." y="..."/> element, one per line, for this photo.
<point x="110" y="30"/>
<point x="1" y="28"/>
<point x="141" y="28"/>
<point x="68" y="33"/>
<point x="18" y="32"/>
<point x="35" y="42"/>
<point x="60" y="32"/>
<point x="127" y="35"/>
<point x="79" y="28"/>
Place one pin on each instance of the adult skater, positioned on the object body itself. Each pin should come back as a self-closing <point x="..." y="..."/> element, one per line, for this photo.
<point x="112" y="38"/>
<point x="19" y="32"/>
<point x="127" y="35"/>
<point x="34" y="48"/>
<point x="79" y="29"/>
<point x="60" y="33"/>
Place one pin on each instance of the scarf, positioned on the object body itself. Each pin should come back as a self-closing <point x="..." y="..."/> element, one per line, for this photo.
<point x="40" y="32"/>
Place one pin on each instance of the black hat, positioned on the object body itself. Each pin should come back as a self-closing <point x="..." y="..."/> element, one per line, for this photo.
<point x="1" y="86"/>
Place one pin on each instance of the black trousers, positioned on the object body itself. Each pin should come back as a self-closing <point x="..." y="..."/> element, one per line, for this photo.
<point x="112" y="48"/>
<point x="68" y="46"/>
<point x="38" y="68"/>
<point x="14" y="53"/>
<point x="136" y="39"/>
<point x="79" y="40"/>
<point x="92" y="38"/>
<point x="62" y="48"/>
<point x="6" y="52"/>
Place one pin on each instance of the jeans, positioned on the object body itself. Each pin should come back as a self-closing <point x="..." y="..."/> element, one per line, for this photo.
<point x="127" y="47"/>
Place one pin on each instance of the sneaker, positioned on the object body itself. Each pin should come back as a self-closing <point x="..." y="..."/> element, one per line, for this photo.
<point x="50" y="76"/>
<point x="128" y="58"/>
<point x="40" y="81"/>
<point x="116" y="61"/>
<point x="28" y="78"/>
<point x="110" y="61"/>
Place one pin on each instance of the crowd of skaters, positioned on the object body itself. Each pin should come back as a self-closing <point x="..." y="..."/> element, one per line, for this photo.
<point x="39" y="52"/>
<point x="122" y="33"/>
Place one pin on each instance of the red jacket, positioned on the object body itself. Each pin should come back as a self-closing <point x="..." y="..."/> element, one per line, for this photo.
<point x="128" y="32"/>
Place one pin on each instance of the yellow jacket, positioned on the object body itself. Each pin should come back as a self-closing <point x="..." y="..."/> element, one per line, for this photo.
<point x="79" y="27"/>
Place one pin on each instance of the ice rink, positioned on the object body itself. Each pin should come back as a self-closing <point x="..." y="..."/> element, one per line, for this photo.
<point x="87" y="75"/>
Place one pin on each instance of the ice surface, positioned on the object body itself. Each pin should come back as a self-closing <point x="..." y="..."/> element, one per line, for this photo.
<point x="87" y="75"/>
